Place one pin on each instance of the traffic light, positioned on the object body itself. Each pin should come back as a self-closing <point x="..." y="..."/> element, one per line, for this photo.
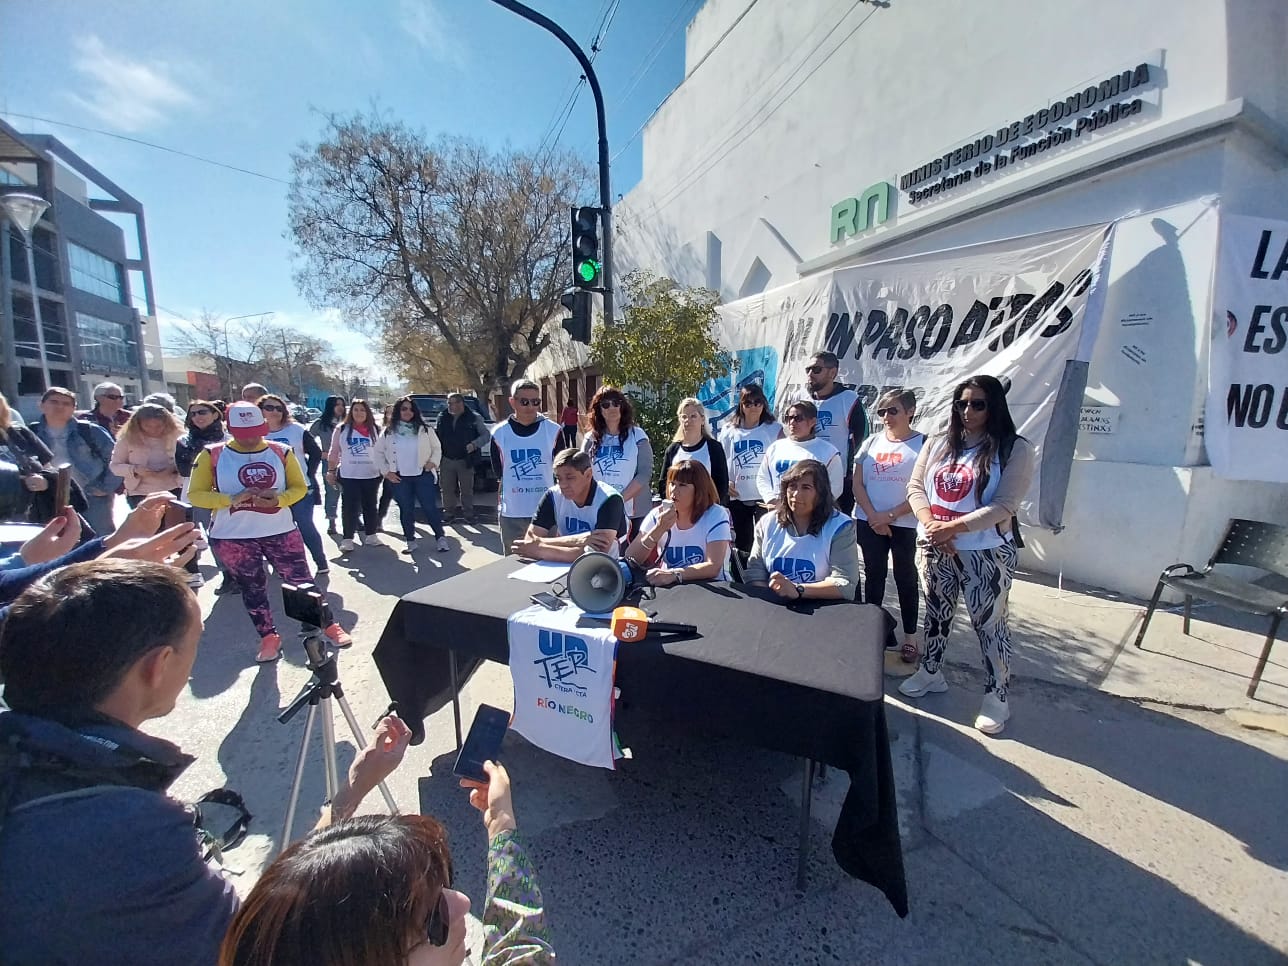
<point x="577" y="301"/>
<point x="587" y="270"/>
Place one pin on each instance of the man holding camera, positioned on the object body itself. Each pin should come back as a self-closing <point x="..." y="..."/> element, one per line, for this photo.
<point x="100" y="865"/>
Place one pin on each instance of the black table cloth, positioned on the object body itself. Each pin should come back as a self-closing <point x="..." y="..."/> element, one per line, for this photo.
<point x="806" y="680"/>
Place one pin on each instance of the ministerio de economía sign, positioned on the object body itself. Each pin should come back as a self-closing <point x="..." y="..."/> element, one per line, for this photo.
<point x="1056" y="125"/>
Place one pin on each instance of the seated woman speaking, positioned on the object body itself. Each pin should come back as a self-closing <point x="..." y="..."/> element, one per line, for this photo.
<point x="687" y="537"/>
<point x="805" y="547"/>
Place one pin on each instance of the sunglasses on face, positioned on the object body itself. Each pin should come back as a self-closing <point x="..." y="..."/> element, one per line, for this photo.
<point x="270" y="408"/>
<point x="438" y="925"/>
<point x="890" y="411"/>
<point x="610" y="404"/>
<point x="796" y="418"/>
<point x="814" y="370"/>
<point x="979" y="405"/>
<point x="201" y="412"/>
<point x="527" y="402"/>
<point x="108" y="395"/>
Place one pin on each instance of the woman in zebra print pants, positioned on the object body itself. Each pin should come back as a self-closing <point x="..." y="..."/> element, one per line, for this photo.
<point x="965" y="489"/>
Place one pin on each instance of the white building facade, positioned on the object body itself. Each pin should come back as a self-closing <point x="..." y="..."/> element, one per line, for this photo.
<point x="809" y="135"/>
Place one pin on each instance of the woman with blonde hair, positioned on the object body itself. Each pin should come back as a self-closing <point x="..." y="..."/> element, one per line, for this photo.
<point x="693" y="441"/>
<point x="144" y="453"/>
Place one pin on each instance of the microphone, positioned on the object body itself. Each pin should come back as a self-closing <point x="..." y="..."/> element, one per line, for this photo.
<point x="632" y="624"/>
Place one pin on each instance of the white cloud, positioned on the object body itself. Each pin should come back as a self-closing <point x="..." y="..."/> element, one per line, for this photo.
<point x="132" y="95"/>
<point x="424" y="22"/>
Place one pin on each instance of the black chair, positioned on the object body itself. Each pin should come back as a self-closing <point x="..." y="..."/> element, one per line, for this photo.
<point x="1248" y="543"/>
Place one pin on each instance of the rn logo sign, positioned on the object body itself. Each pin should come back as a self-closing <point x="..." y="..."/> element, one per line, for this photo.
<point x="563" y="658"/>
<point x="854" y="216"/>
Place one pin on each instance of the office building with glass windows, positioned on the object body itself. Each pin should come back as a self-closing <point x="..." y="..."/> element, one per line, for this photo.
<point x="92" y="278"/>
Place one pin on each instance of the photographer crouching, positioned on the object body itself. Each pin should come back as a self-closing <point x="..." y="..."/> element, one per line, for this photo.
<point x="100" y="865"/>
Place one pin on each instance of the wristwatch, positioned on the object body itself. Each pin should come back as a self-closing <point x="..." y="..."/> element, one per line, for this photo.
<point x="800" y="591"/>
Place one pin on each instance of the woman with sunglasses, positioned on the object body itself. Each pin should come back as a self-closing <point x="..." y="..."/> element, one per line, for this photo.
<point x="685" y="538"/>
<point x="805" y="548"/>
<point x="884" y="521"/>
<point x="377" y="891"/>
<point x="333" y="413"/>
<point x="965" y="490"/>
<point x="282" y="428"/>
<point x="745" y="438"/>
<point x="205" y="427"/>
<point x="621" y="452"/>
<point x="693" y="441"/>
<point x="408" y="455"/>
<point x="800" y="443"/>
<point x="351" y="462"/>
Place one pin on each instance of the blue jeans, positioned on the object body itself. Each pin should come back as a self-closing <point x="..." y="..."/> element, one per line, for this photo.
<point x="302" y="511"/>
<point x="330" y="495"/>
<point x="420" y="488"/>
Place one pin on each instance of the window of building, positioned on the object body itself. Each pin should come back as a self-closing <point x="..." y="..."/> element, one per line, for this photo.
<point x="45" y="254"/>
<point x="106" y="344"/>
<point x="93" y="273"/>
<point x="26" y="343"/>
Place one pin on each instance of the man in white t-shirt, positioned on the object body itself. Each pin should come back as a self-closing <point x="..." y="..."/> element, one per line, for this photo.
<point x="523" y="450"/>
<point x="841" y="419"/>
<point x="577" y="514"/>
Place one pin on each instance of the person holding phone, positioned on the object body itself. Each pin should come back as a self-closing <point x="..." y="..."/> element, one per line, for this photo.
<point x="686" y="537"/>
<point x="250" y="484"/>
<point x="378" y="889"/>
<point x="87" y="447"/>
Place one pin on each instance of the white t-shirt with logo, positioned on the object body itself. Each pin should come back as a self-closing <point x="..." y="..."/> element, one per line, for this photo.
<point x="563" y="684"/>
<point x="264" y="469"/>
<point x="950" y="488"/>
<point x="615" y="462"/>
<point x="745" y="449"/>
<point x="834" y="419"/>
<point x="357" y="457"/>
<point x="527" y="466"/>
<point x="802" y="559"/>
<point x="687" y="548"/>
<point x="785" y="453"/>
<point x="291" y="434"/>
<point x="885" y="467"/>
<point x="571" y="518"/>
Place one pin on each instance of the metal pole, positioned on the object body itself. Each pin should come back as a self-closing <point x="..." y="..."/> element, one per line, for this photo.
<point x="35" y="304"/>
<point x="605" y="196"/>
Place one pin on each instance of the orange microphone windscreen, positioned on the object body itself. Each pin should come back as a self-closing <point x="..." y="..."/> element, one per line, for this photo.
<point x="629" y="624"/>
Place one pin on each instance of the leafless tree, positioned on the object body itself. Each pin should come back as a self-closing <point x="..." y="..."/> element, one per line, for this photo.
<point x="457" y="255"/>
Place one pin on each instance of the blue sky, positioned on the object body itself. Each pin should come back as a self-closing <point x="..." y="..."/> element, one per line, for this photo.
<point x="245" y="82"/>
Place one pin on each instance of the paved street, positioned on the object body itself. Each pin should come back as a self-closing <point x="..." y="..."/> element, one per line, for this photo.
<point x="1131" y="813"/>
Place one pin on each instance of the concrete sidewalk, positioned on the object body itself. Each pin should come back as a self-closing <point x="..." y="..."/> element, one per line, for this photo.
<point x="1131" y="813"/>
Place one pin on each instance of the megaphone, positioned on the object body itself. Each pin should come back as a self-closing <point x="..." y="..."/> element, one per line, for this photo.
<point x="598" y="582"/>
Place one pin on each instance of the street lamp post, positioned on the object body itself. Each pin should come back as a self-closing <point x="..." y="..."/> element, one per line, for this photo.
<point x="24" y="210"/>
<point x="605" y="196"/>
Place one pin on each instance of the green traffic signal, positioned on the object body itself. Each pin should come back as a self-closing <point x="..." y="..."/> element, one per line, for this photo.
<point x="588" y="270"/>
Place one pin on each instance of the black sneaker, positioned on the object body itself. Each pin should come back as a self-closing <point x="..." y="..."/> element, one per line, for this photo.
<point x="227" y="586"/>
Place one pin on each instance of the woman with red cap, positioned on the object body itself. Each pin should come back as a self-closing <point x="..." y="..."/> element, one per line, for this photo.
<point x="250" y="484"/>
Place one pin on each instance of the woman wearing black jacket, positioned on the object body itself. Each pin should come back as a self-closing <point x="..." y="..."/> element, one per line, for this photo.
<point x="205" y="427"/>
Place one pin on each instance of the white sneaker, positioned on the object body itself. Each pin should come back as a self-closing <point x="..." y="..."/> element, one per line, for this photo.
<point x="372" y="540"/>
<point x="443" y="545"/>
<point x="993" y="714"/>
<point x="411" y="546"/>
<point x="347" y="546"/>
<point x="357" y="539"/>
<point x="923" y="682"/>
<point x="196" y="580"/>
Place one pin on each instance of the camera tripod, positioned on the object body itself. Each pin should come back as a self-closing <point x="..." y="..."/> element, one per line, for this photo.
<point x="324" y="685"/>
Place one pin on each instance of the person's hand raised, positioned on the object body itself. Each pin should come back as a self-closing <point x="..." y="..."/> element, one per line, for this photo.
<point x="493" y="799"/>
<point x="144" y="520"/>
<point x="174" y="546"/>
<point x="59" y="536"/>
<point x="383" y="754"/>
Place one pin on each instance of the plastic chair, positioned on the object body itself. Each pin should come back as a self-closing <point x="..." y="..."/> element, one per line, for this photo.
<point x="1248" y="543"/>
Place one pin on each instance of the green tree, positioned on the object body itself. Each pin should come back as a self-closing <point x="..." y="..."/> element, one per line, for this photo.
<point x="663" y="350"/>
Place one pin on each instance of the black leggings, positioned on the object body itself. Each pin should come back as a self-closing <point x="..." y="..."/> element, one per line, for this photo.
<point x="877" y="550"/>
<point x="744" y="517"/>
<point x="359" y="496"/>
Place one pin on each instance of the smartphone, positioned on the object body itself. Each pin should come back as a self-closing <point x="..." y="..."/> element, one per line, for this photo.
<point x="547" y="600"/>
<point x="306" y="604"/>
<point x="176" y="512"/>
<point x="483" y="743"/>
<point x="62" y="488"/>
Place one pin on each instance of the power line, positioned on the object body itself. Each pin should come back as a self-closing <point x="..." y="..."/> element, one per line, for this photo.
<point x="147" y="144"/>
<point x="596" y="45"/>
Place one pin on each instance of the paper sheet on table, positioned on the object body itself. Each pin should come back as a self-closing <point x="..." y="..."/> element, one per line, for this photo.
<point x="541" y="572"/>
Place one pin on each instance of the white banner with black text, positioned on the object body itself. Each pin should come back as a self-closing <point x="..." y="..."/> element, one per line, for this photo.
<point x="1025" y="310"/>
